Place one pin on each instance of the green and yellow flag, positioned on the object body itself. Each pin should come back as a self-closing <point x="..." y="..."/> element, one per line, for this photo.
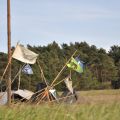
<point x="73" y="64"/>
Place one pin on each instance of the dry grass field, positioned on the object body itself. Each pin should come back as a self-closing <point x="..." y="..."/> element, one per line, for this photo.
<point x="98" y="96"/>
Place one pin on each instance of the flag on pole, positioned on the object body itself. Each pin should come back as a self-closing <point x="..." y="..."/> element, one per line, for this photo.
<point x="75" y="65"/>
<point x="27" y="69"/>
<point x="24" y="55"/>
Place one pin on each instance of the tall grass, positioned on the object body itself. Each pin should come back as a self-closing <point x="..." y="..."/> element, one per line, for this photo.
<point x="92" y="105"/>
<point x="108" y="111"/>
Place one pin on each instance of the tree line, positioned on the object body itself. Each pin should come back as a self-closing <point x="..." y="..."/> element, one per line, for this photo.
<point x="100" y="67"/>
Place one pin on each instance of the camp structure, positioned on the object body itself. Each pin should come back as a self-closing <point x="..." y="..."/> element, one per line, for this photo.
<point x="45" y="91"/>
<point x="46" y="94"/>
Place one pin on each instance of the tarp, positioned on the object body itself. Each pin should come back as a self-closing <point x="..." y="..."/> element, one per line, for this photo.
<point x="24" y="55"/>
<point x="24" y="93"/>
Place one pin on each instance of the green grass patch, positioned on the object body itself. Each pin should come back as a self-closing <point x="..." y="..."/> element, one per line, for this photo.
<point x="61" y="112"/>
<point x="92" y="105"/>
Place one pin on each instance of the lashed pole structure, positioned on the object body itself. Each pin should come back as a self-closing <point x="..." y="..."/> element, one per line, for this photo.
<point x="9" y="53"/>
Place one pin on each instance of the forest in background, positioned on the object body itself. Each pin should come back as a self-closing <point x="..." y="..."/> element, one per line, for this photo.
<point x="100" y="67"/>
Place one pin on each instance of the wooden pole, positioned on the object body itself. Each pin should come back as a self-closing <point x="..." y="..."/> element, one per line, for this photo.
<point x="19" y="78"/>
<point x="62" y="69"/>
<point x="9" y="53"/>
<point x="42" y="74"/>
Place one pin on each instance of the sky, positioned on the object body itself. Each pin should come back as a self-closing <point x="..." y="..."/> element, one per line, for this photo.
<point x="40" y="22"/>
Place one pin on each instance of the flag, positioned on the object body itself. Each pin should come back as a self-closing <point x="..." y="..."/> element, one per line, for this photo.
<point x="69" y="84"/>
<point x="81" y="63"/>
<point x="27" y="69"/>
<point x="24" y="55"/>
<point x="75" y="65"/>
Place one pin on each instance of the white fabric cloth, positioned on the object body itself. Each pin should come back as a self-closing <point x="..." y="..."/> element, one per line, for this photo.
<point x="69" y="84"/>
<point x="24" y="55"/>
<point x="24" y="93"/>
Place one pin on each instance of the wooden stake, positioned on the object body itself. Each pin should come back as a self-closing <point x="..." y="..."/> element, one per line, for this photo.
<point x="19" y="78"/>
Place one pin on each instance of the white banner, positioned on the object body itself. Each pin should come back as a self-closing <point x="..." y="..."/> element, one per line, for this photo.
<point x="24" y="55"/>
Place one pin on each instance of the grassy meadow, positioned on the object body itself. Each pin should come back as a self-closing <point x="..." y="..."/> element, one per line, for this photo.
<point x="92" y="105"/>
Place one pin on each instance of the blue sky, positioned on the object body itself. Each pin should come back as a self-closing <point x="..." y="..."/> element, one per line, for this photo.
<point x="39" y="22"/>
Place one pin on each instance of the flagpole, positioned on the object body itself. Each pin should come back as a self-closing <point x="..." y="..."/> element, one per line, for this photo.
<point x="9" y="53"/>
<point x="62" y="69"/>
